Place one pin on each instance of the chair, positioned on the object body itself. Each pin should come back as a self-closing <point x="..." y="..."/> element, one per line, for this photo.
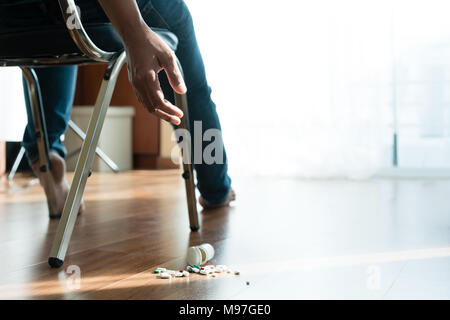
<point x="75" y="47"/>
<point x="77" y="130"/>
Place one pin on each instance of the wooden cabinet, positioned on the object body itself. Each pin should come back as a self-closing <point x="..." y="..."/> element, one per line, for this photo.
<point x="146" y="127"/>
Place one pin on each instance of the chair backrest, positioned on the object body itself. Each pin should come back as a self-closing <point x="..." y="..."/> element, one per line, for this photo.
<point x="80" y="49"/>
<point x="79" y="34"/>
<point x="89" y="52"/>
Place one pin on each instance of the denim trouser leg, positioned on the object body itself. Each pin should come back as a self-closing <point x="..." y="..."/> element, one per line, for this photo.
<point x="213" y="180"/>
<point x="57" y="88"/>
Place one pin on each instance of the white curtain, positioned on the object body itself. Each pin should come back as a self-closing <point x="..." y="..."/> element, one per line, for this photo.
<point x="304" y="88"/>
<point x="12" y="105"/>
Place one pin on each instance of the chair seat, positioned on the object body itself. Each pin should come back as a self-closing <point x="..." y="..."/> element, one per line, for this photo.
<point x="56" y="41"/>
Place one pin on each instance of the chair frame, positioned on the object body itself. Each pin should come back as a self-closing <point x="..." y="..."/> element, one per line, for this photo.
<point x="78" y="132"/>
<point x="90" y="54"/>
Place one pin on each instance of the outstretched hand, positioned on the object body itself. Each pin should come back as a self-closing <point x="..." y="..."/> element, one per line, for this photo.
<point x="146" y="58"/>
<point x="147" y="55"/>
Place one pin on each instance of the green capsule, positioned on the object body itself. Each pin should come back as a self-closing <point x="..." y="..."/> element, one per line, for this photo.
<point x="157" y="271"/>
<point x="196" y="266"/>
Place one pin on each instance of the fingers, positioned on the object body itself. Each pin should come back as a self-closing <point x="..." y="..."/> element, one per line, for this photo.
<point x="151" y="96"/>
<point x="156" y="96"/>
<point x="143" y="74"/>
<point x="173" y="72"/>
<point x="165" y="116"/>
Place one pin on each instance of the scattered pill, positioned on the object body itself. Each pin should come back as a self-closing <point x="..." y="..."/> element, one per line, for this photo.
<point x="247" y="283"/>
<point x="164" y="275"/>
<point x="211" y="270"/>
<point x="210" y="267"/>
<point x="171" y="272"/>
<point x="206" y="271"/>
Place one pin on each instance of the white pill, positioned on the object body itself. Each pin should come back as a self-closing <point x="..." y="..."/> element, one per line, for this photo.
<point x="164" y="275"/>
<point x="196" y="270"/>
<point x="161" y="269"/>
<point x="170" y="272"/>
<point x="178" y="274"/>
<point x="185" y="274"/>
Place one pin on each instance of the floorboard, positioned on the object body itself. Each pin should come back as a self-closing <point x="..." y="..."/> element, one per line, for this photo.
<point x="290" y="238"/>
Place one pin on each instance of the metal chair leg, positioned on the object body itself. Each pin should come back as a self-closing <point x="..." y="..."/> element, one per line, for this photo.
<point x="113" y="166"/>
<point x="85" y="160"/>
<point x="102" y="155"/>
<point x="188" y="173"/>
<point x="16" y="164"/>
<point x="40" y="130"/>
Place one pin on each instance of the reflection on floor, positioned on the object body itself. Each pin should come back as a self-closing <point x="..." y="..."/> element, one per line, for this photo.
<point x="291" y="239"/>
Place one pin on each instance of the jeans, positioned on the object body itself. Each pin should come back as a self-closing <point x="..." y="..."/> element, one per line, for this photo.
<point x="58" y="86"/>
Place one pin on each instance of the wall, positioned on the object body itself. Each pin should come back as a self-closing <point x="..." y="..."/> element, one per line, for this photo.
<point x="2" y="157"/>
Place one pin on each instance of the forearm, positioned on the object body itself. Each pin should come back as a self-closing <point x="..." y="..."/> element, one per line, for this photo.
<point x="147" y="55"/>
<point x="126" y="19"/>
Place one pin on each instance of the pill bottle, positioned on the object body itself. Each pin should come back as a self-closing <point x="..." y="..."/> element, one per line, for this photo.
<point x="199" y="255"/>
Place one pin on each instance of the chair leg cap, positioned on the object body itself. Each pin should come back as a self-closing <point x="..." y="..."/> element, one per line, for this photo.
<point x="55" y="216"/>
<point x="195" y="229"/>
<point x="55" y="262"/>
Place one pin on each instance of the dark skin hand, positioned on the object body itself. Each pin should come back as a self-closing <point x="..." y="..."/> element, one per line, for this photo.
<point x="147" y="55"/>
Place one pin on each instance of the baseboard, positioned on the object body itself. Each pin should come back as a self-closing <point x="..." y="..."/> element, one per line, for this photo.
<point x="166" y="163"/>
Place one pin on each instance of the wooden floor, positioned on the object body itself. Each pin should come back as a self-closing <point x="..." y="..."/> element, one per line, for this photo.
<point x="291" y="239"/>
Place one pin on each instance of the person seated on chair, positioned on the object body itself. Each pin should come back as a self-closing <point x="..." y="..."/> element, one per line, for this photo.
<point x="147" y="55"/>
